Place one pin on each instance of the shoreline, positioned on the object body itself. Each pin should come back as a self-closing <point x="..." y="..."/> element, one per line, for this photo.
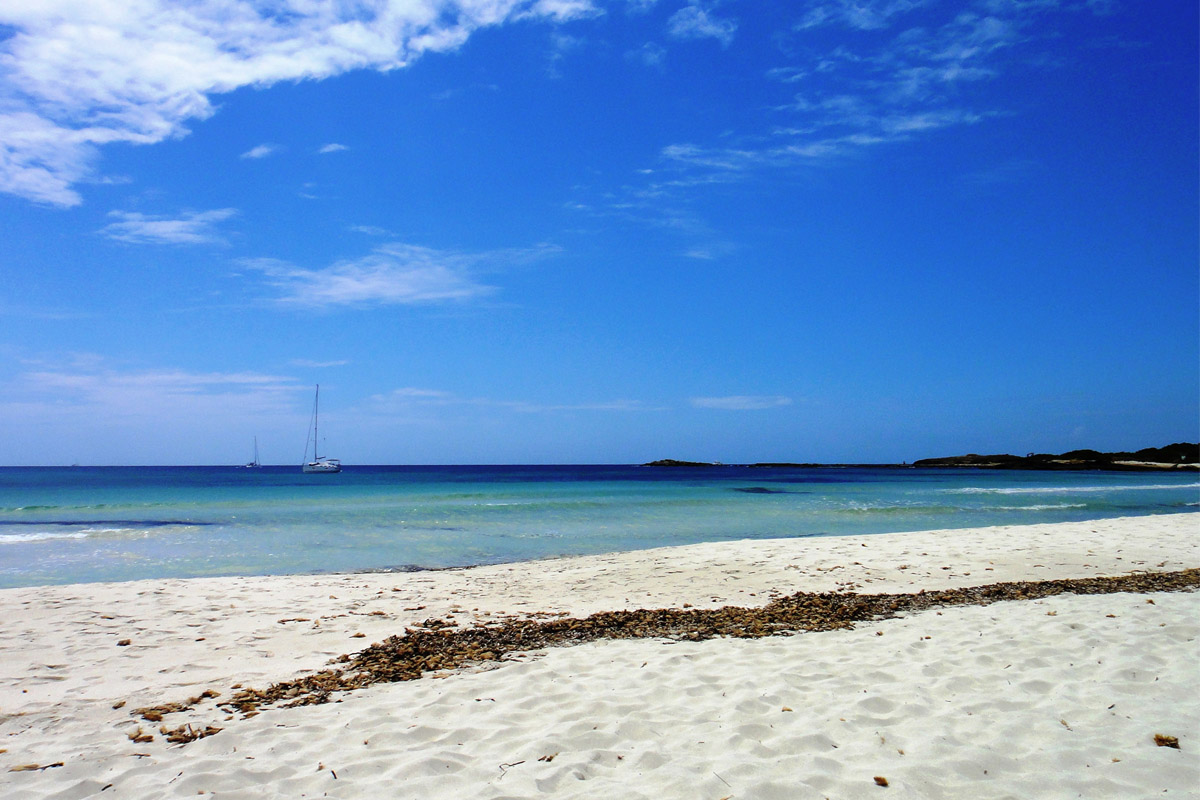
<point x="417" y="569"/>
<point x="64" y="667"/>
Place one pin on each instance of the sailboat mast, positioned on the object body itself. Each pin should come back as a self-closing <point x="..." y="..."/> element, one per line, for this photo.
<point x="316" y="423"/>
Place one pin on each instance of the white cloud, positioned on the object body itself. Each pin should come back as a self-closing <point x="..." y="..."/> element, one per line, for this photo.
<point x="195" y="227"/>
<point x="370" y="230"/>
<point x="788" y="74"/>
<point x="413" y="392"/>
<point x="639" y="6"/>
<point x="332" y="147"/>
<point x="262" y="151"/>
<point x="79" y="74"/>
<point x="409" y="398"/>
<point x="304" y="362"/>
<point x="86" y="408"/>
<point x="561" y="45"/>
<point x="694" y="22"/>
<point x="860" y="14"/>
<point x="393" y="274"/>
<point x="611" y="405"/>
<point x="710" y="251"/>
<point x="133" y="393"/>
<point x="891" y="81"/>
<point x="563" y="10"/>
<point x="40" y="160"/>
<point x="650" y="54"/>
<point x="742" y="402"/>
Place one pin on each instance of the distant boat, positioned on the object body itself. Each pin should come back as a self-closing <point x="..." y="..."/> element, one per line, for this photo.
<point x="254" y="464"/>
<point x="319" y="463"/>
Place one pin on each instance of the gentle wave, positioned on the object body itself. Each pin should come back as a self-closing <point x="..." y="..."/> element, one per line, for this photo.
<point x="1035" y="507"/>
<point x="129" y="523"/>
<point x="897" y="509"/>
<point x="41" y="536"/>
<point x="1065" y="489"/>
<point x="71" y="507"/>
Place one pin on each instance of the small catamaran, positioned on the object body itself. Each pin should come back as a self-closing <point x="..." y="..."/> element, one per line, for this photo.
<point x="319" y="463"/>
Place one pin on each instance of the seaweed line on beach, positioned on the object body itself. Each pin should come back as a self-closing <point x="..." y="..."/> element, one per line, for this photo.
<point x="438" y="646"/>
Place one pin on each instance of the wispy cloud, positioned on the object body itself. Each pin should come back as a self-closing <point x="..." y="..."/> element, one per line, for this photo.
<point x="129" y="393"/>
<point x="370" y="230"/>
<point x="393" y="274"/>
<point x="304" y="362"/>
<point x="859" y="14"/>
<point x="560" y="10"/>
<point x="909" y="69"/>
<point x="710" y="251"/>
<point x="261" y="151"/>
<point x="561" y="45"/>
<point x="694" y="21"/>
<point x="194" y="227"/>
<point x="890" y="81"/>
<point x="113" y="412"/>
<point x="408" y="399"/>
<point x="742" y="402"/>
<point x="79" y="74"/>
<point x="650" y="54"/>
<point x="639" y="6"/>
<point x="21" y="311"/>
<point x="332" y="147"/>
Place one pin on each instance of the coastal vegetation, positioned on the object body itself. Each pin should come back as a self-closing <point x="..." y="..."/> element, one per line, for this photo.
<point x="1181" y="455"/>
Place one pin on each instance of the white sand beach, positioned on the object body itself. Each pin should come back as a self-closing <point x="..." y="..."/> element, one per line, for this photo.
<point x="1057" y="697"/>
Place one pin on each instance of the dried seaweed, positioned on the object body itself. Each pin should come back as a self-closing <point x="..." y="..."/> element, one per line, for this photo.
<point x="439" y="646"/>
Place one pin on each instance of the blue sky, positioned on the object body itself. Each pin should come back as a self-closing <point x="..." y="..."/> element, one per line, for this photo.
<point x="503" y="231"/>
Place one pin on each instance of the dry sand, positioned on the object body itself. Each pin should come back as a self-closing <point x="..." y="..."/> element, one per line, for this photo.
<point x="1060" y="697"/>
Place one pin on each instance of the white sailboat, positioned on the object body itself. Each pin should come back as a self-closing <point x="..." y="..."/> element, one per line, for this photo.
<point x="254" y="464"/>
<point x="319" y="463"/>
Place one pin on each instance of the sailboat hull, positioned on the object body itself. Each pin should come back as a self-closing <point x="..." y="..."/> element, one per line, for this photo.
<point x="324" y="465"/>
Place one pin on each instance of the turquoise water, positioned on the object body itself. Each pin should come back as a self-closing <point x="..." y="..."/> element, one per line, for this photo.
<point x="84" y="524"/>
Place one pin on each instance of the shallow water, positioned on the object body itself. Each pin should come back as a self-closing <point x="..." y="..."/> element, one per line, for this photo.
<point x="83" y="524"/>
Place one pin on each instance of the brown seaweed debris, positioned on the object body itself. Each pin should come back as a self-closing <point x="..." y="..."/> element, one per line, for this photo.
<point x="435" y="647"/>
<point x="186" y="733"/>
<point x="141" y="736"/>
<point x="156" y="713"/>
<point x="1166" y="741"/>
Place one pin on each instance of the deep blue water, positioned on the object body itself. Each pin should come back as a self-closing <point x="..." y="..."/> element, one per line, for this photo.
<point x="83" y="524"/>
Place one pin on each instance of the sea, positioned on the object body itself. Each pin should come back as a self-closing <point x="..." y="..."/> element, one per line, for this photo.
<point x="61" y="525"/>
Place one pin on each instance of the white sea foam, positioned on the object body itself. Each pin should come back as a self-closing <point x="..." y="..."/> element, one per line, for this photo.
<point x="45" y="536"/>
<point x="1066" y="489"/>
<point x="41" y="536"/>
<point x="1038" y="507"/>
